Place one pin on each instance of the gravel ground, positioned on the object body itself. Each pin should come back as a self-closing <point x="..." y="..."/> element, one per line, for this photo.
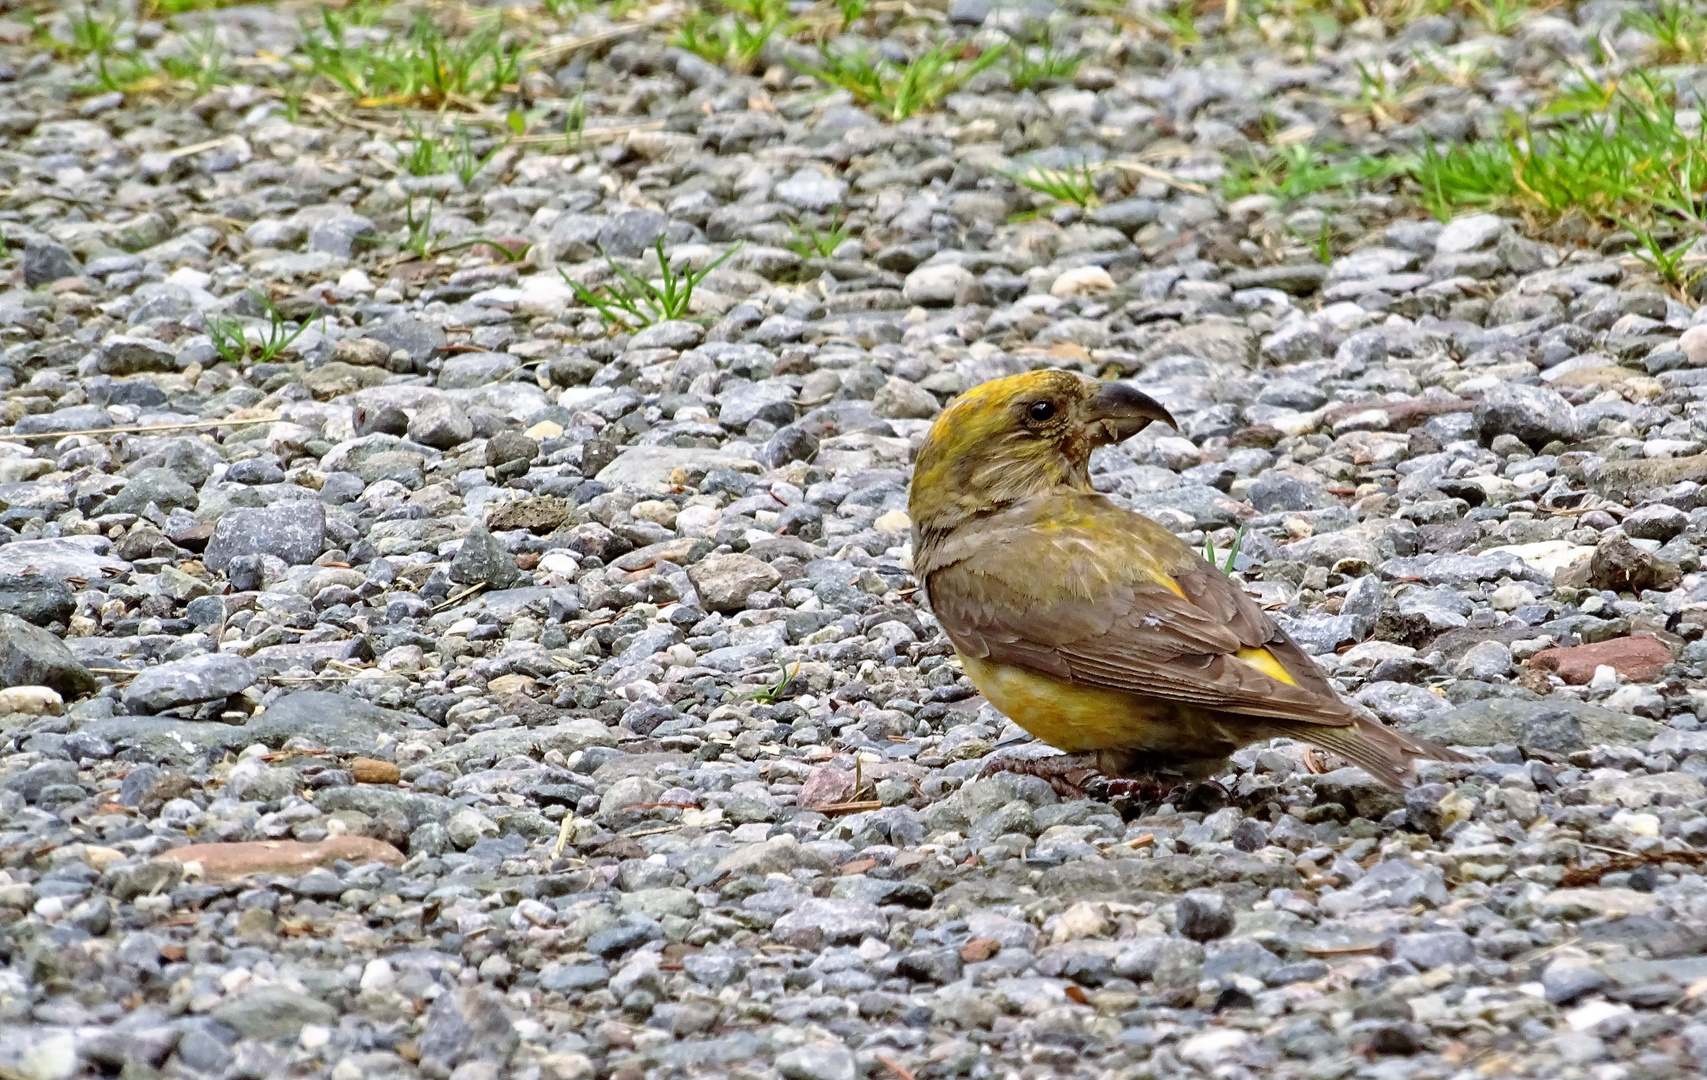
<point x="469" y="691"/>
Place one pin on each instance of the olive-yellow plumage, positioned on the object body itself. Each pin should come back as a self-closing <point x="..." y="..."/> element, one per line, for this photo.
<point x="1092" y="627"/>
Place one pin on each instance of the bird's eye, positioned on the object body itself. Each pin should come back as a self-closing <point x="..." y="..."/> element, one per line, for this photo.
<point x="1041" y="411"/>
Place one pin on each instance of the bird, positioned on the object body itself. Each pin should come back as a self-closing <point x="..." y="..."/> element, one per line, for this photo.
<point x="1094" y="628"/>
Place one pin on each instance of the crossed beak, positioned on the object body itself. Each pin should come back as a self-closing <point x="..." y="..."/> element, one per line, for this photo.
<point x="1122" y="412"/>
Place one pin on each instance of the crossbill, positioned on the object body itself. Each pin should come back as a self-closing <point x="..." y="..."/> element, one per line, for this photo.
<point x="1093" y="627"/>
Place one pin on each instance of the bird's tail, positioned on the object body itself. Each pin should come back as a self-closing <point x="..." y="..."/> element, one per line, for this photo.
<point x="1387" y="755"/>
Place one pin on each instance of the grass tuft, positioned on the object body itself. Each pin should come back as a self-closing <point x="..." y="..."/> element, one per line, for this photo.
<point x="231" y="340"/>
<point x="896" y="91"/>
<point x="810" y="242"/>
<point x="634" y="303"/>
<point x="1039" y="63"/>
<point x="1075" y="183"/>
<point x="1296" y="170"/>
<point x="424" y="66"/>
<point x="1679" y="31"/>
<point x="736" y="38"/>
<point x="1617" y="152"/>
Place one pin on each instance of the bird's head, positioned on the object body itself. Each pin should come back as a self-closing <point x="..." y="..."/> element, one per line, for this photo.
<point x="1010" y="438"/>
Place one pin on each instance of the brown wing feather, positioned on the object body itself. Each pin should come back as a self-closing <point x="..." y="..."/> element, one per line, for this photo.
<point x="1070" y="585"/>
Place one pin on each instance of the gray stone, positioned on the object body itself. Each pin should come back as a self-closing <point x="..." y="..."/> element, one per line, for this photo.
<point x="1436" y="949"/>
<point x="61" y="557"/>
<point x="338" y="722"/>
<point x="1534" y="414"/>
<point x="46" y="262"/>
<point x="1564" y="981"/>
<point x="294" y="532"/>
<point x="742" y="402"/>
<point x="443" y="426"/>
<point x="1203" y="915"/>
<point x="1656" y="522"/>
<point x="467" y="1024"/>
<point x="725" y="582"/>
<point x="130" y="355"/>
<point x="1469" y="232"/>
<point x="811" y="190"/>
<point x="210" y="677"/>
<point x="818" y="1061"/>
<point x="30" y="656"/>
<point x="36" y="598"/>
<point x="272" y="1012"/>
<point x="418" y="339"/>
<point x="632" y="233"/>
<point x="481" y="560"/>
<point x="339" y="235"/>
<point x="818" y="923"/>
<point x="164" y="488"/>
<point x="1553" y="725"/>
<point x="937" y="284"/>
<point x="900" y="399"/>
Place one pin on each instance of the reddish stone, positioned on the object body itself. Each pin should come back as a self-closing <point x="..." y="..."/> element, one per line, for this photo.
<point x="230" y="862"/>
<point x="980" y="949"/>
<point x="825" y="786"/>
<point x="370" y="771"/>
<point x="1638" y="659"/>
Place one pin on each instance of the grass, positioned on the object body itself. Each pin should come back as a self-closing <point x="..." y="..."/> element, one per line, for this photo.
<point x="231" y="340"/>
<point x="1615" y="152"/>
<point x="1671" y="264"/>
<point x="431" y="156"/>
<point x="774" y="692"/>
<point x="203" y="63"/>
<point x="1499" y="16"/>
<point x="1679" y="31"/>
<point x="1180" y="24"/>
<point x="635" y="303"/>
<point x="422" y="67"/>
<point x="575" y="125"/>
<point x="737" y="37"/>
<point x="422" y="241"/>
<point x="96" y="37"/>
<point x="896" y="91"/>
<point x="1075" y="183"/>
<point x="419" y="238"/>
<point x="1296" y="170"/>
<point x="810" y="242"/>
<point x="1232" y="559"/>
<point x="1321" y="245"/>
<point x="1039" y="63"/>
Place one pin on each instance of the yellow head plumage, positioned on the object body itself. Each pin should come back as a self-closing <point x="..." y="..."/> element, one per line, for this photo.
<point x="1017" y="436"/>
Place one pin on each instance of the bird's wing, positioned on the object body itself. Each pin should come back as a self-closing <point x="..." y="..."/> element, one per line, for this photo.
<point x="1070" y="585"/>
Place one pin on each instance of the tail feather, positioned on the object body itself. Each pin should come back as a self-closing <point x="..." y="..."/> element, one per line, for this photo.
<point x="1387" y="755"/>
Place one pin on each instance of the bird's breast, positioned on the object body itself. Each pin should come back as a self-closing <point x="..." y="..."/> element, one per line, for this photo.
<point x="1074" y="717"/>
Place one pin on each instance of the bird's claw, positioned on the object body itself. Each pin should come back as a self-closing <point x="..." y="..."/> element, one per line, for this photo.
<point x="1068" y="774"/>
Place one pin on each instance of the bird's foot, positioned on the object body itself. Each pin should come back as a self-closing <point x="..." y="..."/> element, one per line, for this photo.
<point x="1077" y="776"/>
<point x="1068" y="774"/>
<point x="1137" y="796"/>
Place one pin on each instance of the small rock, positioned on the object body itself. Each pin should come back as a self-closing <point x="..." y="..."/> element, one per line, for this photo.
<point x="937" y="285"/>
<point x="1203" y="915"/>
<point x="1619" y="565"/>
<point x="725" y="582"/>
<point x="482" y="560"/>
<point x="30" y="656"/>
<point x="294" y="532"/>
<point x="818" y="1061"/>
<point x="212" y="677"/>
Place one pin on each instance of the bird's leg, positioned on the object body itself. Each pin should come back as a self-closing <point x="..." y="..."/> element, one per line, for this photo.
<point x="1068" y="774"/>
<point x="1081" y="776"/>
